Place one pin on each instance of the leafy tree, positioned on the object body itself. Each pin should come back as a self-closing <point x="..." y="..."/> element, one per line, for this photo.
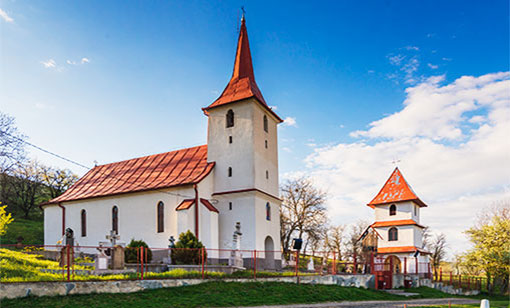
<point x="188" y="249"/>
<point x="131" y="251"/>
<point x="27" y="186"/>
<point x="5" y="219"/>
<point x="57" y="180"/>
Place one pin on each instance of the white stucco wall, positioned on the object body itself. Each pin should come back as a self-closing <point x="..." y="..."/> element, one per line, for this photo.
<point x="407" y="236"/>
<point x="405" y="210"/>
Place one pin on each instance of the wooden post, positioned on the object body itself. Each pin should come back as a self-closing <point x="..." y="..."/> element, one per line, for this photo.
<point x="416" y="263"/>
<point x="141" y="262"/>
<point x="460" y="281"/>
<point x="333" y="271"/>
<point x="296" y="266"/>
<point x="355" y="270"/>
<point x="203" y="262"/>
<point x="255" y="264"/>
<point x="405" y="265"/>
<point x="441" y="274"/>
<point x="68" y="264"/>
<point x="372" y="269"/>
<point x="469" y="283"/>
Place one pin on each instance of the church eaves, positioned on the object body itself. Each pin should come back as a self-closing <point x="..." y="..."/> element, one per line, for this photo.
<point x="242" y="85"/>
<point x="396" y="189"/>
<point x="159" y="171"/>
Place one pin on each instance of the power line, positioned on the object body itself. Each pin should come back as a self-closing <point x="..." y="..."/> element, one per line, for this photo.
<point x="88" y="168"/>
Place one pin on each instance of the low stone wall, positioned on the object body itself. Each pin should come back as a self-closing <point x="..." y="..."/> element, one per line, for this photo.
<point x="23" y="289"/>
<point x="447" y="288"/>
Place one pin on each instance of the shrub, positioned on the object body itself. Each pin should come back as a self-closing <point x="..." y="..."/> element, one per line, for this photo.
<point x="131" y="251"/>
<point x="188" y="250"/>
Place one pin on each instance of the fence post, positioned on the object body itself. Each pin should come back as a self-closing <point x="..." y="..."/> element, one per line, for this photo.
<point x="255" y="264"/>
<point x="355" y="270"/>
<point x="416" y="263"/>
<point x="68" y="264"/>
<point x="141" y="262"/>
<point x="451" y="278"/>
<point x="429" y="271"/>
<point x="440" y="274"/>
<point x="405" y="265"/>
<point x="333" y="271"/>
<point x="372" y="269"/>
<point x="203" y="261"/>
<point x="469" y="283"/>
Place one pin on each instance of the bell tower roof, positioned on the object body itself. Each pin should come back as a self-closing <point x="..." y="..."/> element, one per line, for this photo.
<point x="396" y="189"/>
<point x="242" y="84"/>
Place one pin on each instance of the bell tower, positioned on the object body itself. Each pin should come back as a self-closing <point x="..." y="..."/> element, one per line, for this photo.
<point x="242" y="140"/>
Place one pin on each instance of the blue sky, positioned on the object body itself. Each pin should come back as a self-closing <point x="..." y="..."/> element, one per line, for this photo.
<point x="111" y="80"/>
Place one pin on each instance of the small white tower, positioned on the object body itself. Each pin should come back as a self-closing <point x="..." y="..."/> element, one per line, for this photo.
<point x="242" y="141"/>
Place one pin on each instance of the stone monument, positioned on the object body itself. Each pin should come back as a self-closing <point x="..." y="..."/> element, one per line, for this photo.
<point x="168" y="260"/>
<point x="67" y="252"/>
<point x="311" y="266"/>
<point x="236" y="258"/>
<point x="117" y="257"/>
<point x="101" y="262"/>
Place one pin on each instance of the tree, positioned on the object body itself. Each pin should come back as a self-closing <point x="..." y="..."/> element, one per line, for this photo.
<point x="302" y="211"/>
<point x="5" y="219"/>
<point x="336" y="240"/>
<point x="491" y="241"/>
<point x="131" y="251"/>
<point x="437" y="248"/>
<point x="354" y="245"/>
<point x="188" y="250"/>
<point x="57" y="180"/>
<point x="27" y="183"/>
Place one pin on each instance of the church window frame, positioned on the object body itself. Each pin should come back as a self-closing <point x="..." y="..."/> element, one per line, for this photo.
<point x="161" y="217"/>
<point x="229" y="172"/>
<point x="266" y="143"/>
<point x="230" y="118"/>
<point x="115" y="219"/>
<point x="266" y="125"/>
<point x="415" y="210"/>
<point x="230" y="140"/>
<point x="83" y="221"/>
<point x="230" y="206"/>
<point x="268" y="211"/>
<point x="393" y="210"/>
<point x="392" y="234"/>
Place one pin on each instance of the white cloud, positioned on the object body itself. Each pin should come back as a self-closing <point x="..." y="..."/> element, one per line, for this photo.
<point x="396" y="59"/>
<point x="290" y="121"/>
<point x="5" y="16"/>
<point x="49" y="63"/>
<point x="456" y="179"/>
<point x="415" y="48"/>
<point x="84" y="60"/>
<point x="432" y="66"/>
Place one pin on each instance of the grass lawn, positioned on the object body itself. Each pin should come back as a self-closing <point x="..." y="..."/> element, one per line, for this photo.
<point x="496" y="301"/>
<point x="32" y="232"/>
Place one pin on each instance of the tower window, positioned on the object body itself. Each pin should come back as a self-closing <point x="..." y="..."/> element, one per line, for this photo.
<point x="393" y="234"/>
<point x="230" y="206"/>
<point x="265" y="123"/>
<point x="115" y="219"/>
<point x="266" y="144"/>
<point x="415" y="210"/>
<point x="267" y="174"/>
<point x="230" y="118"/>
<point x="393" y="210"/>
<point x="229" y="171"/>
<point x="268" y="211"/>
<point x="161" y="216"/>
<point x="83" y="223"/>
<point x="229" y="139"/>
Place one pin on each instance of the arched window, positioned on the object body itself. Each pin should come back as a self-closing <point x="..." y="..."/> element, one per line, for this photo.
<point x="230" y="118"/>
<point x="161" y="216"/>
<point x="115" y="219"/>
<point x="268" y="211"/>
<point x="393" y="234"/>
<point x="230" y="206"/>
<point x="265" y="123"/>
<point x="229" y="172"/>
<point x="83" y="223"/>
<point x="393" y="210"/>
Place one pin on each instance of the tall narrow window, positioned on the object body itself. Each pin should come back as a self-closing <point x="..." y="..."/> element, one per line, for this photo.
<point x="266" y="144"/>
<point x="229" y="172"/>
<point x="393" y="234"/>
<point x="83" y="223"/>
<point x="161" y="216"/>
<point x="265" y="123"/>
<point x="393" y="210"/>
<point x="230" y="118"/>
<point x="229" y="139"/>
<point x="415" y="210"/>
<point x="115" y="219"/>
<point x="267" y="175"/>
<point x="230" y="206"/>
<point x="268" y="211"/>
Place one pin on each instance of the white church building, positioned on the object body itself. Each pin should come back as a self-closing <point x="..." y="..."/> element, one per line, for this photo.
<point x="206" y="189"/>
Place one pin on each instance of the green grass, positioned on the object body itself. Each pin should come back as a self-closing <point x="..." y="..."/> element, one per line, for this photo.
<point x="493" y="304"/>
<point x="210" y="294"/>
<point x="32" y="232"/>
<point x="498" y="301"/>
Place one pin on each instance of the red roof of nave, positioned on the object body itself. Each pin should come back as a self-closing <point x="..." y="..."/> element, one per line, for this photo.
<point x="396" y="189"/>
<point x="165" y="170"/>
<point x="242" y="85"/>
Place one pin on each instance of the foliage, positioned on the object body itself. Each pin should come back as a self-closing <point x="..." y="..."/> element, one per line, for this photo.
<point x="57" y="180"/>
<point x="131" y="251"/>
<point x="5" y="219"/>
<point x="30" y="232"/>
<point x="188" y="250"/>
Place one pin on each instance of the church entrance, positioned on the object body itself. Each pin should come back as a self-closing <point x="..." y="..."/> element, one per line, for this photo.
<point x="394" y="265"/>
<point x="269" y="253"/>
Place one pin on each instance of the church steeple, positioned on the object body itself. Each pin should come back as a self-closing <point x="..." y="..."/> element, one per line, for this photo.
<point x="242" y="84"/>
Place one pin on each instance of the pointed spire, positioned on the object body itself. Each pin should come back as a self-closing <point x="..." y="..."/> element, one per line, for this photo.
<point x="396" y="189"/>
<point x="242" y="85"/>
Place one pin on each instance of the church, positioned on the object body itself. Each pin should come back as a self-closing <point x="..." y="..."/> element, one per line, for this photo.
<point x="206" y="189"/>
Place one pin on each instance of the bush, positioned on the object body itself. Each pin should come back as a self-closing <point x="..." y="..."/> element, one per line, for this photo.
<point x="188" y="250"/>
<point x="131" y="251"/>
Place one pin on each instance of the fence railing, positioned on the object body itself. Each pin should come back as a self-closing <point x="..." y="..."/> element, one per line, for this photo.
<point x="75" y="263"/>
<point x="461" y="281"/>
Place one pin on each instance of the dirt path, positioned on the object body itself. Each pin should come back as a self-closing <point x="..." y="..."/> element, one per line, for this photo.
<point x="381" y="304"/>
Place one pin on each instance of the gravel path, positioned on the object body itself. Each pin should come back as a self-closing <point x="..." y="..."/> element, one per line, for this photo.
<point x="381" y="304"/>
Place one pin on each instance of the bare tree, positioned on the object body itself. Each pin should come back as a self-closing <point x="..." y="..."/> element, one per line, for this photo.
<point x="12" y="152"/>
<point x="354" y="246"/>
<point x="302" y="211"/>
<point x="336" y="240"/>
<point x="437" y="247"/>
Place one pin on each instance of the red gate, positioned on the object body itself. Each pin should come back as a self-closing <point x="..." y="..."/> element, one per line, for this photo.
<point x="383" y="273"/>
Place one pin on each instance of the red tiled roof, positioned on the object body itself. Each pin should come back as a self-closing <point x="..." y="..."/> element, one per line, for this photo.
<point x="400" y="249"/>
<point x="242" y="85"/>
<point x="402" y="222"/>
<point x="188" y="203"/>
<point x="182" y="167"/>
<point x="394" y="190"/>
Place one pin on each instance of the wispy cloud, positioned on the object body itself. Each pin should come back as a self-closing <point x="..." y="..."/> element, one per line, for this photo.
<point x="415" y="48"/>
<point x="290" y="121"/>
<point x="433" y="66"/>
<point x="5" y="16"/>
<point x="49" y="63"/>
<point x="84" y="60"/>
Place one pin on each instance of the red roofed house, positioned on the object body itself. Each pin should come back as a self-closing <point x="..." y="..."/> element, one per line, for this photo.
<point x="206" y="189"/>
<point x="397" y="225"/>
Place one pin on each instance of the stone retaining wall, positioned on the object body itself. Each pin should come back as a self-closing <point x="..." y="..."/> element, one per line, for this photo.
<point x="22" y="289"/>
